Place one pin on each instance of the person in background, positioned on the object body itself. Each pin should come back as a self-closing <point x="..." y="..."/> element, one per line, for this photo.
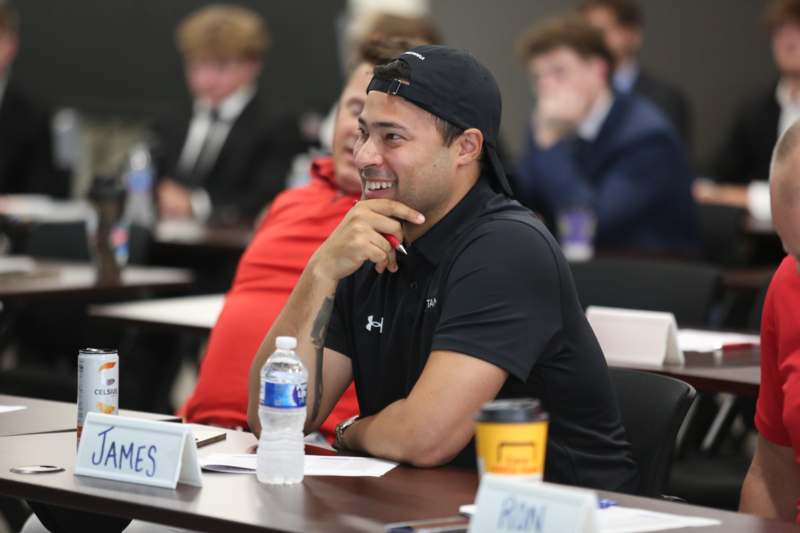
<point x="740" y="170"/>
<point x="367" y="20"/>
<point x="622" y="25"/>
<point x="223" y="162"/>
<point x="589" y="147"/>
<point x="361" y="19"/>
<point x="26" y="153"/>
<point x="296" y="224"/>
<point x="771" y="487"/>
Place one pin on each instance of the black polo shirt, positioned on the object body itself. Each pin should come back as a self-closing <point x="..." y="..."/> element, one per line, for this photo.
<point x="489" y="281"/>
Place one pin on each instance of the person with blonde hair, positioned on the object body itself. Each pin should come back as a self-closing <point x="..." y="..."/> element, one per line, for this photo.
<point x="222" y="162"/>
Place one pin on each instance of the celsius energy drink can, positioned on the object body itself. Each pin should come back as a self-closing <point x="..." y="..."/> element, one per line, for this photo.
<point x="98" y="383"/>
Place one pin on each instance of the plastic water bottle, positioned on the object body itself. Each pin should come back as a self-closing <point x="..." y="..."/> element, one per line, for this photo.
<point x="67" y="146"/>
<point x="282" y="411"/>
<point x="139" y="177"/>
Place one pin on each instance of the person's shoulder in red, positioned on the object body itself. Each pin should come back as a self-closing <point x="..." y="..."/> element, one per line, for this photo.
<point x="778" y="408"/>
<point x="298" y="221"/>
<point x="320" y="189"/>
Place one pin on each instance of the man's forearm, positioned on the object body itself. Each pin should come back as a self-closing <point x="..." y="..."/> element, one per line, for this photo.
<point x="772" y="484"/>
<point x="305" y="316"/>
<point x="397" y="435"/>
<point x="757" y="498"/>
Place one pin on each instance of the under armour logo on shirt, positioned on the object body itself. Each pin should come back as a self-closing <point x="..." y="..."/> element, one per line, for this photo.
<point x="374" y="324"/>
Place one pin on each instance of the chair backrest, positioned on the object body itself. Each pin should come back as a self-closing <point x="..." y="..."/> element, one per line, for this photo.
<point x="722" y="233"/>
<point x="68" y="241"/>
<point x="653" y="408"/>
<point x="687" y="290"/>
<point x="754" y="318"/>
<point x="58" y="241"/>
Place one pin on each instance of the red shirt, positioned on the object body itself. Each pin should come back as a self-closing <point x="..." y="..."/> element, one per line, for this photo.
<point x="296" y="225"/>
<point x="778" y="406"/>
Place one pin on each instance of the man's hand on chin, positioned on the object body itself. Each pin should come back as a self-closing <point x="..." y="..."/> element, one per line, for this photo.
<point x="556" y="116"/>
<point x="361" y="236"/>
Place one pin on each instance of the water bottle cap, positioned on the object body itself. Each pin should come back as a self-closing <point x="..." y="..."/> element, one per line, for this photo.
<point x="286" y="343"/>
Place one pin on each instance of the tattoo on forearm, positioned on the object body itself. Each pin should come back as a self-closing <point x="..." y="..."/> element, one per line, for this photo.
<point x="318" y="330"/>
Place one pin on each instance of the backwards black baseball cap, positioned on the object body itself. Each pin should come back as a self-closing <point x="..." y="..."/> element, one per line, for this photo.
<point x="452" y="85"/>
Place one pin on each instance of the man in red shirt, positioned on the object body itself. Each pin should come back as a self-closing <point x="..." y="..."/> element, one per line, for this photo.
<point x="772" y="485"/>
<point x="298" y="221"/>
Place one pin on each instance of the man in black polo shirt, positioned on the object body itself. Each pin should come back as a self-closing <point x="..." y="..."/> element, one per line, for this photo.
<point x="483" y="305"/>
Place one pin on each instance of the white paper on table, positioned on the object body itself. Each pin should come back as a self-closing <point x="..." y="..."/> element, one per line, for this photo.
<point x="179" y="230"/>
<point x="315" y="465"/>
<point x="11" y="408"/>
<point x="697" y="340"/>
<point x="18" y="264"/>
<point x="629" y="520"/>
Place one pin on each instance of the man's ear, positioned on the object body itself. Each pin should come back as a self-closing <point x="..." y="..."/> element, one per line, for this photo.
<point x="254" y="69"/>
<point x="636" y="37"/>
<point x="469" y="145"/>
<point x="599" y="66"/>
<point x="9" y="43"/>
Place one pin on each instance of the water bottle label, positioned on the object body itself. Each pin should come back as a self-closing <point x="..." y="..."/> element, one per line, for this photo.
<point x="119" y="243"/>
<point x="140" y="180"/>
<point x="288" y="395"/>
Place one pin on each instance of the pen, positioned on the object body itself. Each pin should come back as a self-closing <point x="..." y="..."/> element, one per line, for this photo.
<point x="397" y="245"/>
<point x="733" y="346"/>
<point x="604" y="503"/>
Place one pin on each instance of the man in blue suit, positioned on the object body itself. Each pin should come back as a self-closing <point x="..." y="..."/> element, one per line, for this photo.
<point x="590" y="148"/>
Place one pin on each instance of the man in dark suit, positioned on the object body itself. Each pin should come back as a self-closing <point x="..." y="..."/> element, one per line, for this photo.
<point x="741" y="167"/>
<point x="593" y="149"/>
<point x="622" y="24"/>
<point x="222" y="162"/>
<point x="26" y="164"/>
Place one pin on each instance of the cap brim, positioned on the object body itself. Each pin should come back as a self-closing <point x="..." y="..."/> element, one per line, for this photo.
<point x="499" y="171"/>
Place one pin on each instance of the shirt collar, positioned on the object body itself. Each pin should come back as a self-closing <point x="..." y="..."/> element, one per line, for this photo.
<point x="783" y="96"/>
<point x="231" y="107"/>
<point x="625" y="76"/>
<point x="590" y="127"/>
<point x="434" y="243"/>
<point x="323" y="168"/>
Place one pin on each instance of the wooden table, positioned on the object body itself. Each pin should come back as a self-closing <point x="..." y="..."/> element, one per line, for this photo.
<point x="44" y="416"/>
<point x="236" y="502"/>
<point x="191" y="234"/>
<point x="24" y="210"/>
<point x="747" y="279"/>
<point x="51" y="279"/>
<point x="212" y="253"/>
<point x="193" y="313"/>
<point x="736" y="372"/>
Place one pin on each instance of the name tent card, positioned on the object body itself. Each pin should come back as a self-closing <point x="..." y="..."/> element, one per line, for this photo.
<point x="146" y="452"/>
<point x="632" y="336"/>
<point x="507" y="504"/>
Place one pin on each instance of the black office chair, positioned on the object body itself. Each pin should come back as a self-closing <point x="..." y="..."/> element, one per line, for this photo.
<point x="65" y="241"/>
<point x="722" y="234"/>
<point x="652" y="407"/>
<point x="68" y="241"/>
<point x="685" y="289"/>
